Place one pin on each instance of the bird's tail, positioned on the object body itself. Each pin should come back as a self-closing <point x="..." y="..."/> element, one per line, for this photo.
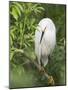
<point x="44" y="60"/>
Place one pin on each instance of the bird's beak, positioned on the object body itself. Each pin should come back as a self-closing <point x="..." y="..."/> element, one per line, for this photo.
<point x="44" y="28"/>
<point x="41" y="36"/>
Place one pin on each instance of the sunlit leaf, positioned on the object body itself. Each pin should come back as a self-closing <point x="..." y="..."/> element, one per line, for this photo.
<point x="19" y="5"/>
<point x="11" y="55"/>
<point x="14" y="13"/>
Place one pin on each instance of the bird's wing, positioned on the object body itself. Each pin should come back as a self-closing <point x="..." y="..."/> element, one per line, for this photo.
<point x="38" y="45"/>
<point x="44" y="60"/>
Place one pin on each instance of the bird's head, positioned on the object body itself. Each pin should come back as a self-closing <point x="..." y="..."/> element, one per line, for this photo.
<point x="46" y="24"/>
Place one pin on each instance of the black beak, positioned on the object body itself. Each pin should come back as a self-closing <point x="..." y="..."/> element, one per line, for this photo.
<point x="41" y="36"/>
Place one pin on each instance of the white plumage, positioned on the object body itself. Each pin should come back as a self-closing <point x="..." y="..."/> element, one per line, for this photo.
<point x="44" y="48"/>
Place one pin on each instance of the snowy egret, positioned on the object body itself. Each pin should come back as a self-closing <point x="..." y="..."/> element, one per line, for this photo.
<point x="45" y="40"/>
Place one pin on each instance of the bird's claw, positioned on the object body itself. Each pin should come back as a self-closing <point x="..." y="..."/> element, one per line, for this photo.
<point x="51" y="80"/>
<point x="41" y="69"/>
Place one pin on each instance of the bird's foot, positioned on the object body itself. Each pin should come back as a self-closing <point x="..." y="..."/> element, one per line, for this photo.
<point x="41" y="69"/>
<point x="51" y="80"/>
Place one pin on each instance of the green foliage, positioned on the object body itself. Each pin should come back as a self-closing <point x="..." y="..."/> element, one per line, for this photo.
<point x="56" y="66"/>
<point x="24" y="18"/>
<point x="22" y="25"/>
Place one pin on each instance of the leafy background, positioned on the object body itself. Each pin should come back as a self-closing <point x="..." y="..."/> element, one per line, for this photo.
<point x="24" y="18"/>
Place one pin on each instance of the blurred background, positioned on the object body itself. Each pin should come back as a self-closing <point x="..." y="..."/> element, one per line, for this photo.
<point x="24" y="18"/>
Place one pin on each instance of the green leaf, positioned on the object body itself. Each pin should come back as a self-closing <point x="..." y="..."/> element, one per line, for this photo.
<point x="12" y="35"/>
<point x="34" y="6"/>
<point x="18" y="10"/>
<point x="40" y="8"/>
<point x="11" y="55"/>
<point x="19" y="6"/>
<point x="30" y="54"/>
<point x="14" y="13"/>
<point x="11" y="41"/>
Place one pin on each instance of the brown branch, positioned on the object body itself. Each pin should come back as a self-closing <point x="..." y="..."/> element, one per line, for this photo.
<point x="33" y="60"/>
<point x="50" y="78"/>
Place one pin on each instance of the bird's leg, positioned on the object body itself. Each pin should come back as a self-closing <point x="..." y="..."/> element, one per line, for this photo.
<point x="50" y="78"/>
<point x="43" y="72"/>
<point x="39" y="63"/>
<point x="40" y="68"/>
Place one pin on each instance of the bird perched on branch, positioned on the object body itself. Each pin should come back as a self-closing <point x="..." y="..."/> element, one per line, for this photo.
<point x="45" y="40"/>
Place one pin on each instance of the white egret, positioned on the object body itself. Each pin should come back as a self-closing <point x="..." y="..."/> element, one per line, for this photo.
<point x="45" y="40"/>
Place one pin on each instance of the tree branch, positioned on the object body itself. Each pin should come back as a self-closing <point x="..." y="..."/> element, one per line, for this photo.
<point x="39" y="67"/>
